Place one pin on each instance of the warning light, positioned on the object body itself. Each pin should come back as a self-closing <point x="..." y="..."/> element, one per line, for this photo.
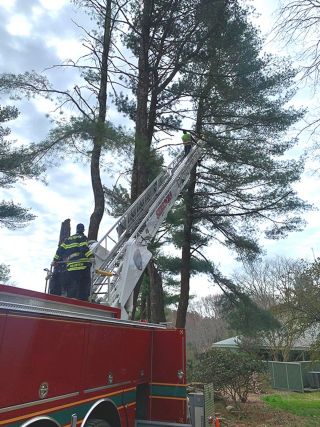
<point x="143" y="320"/>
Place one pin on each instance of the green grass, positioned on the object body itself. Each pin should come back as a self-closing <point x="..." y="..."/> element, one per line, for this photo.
<point x="304" y="405"/>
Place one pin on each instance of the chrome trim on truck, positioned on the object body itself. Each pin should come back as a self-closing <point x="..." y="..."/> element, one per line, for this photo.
<point x="97" y="403"/>
<point x="103" y="387"/>
<point x="33" y="420"/>
<point x="42" y="306"/>
<point x="34" y="305"/>
<point x="38" y="402"/>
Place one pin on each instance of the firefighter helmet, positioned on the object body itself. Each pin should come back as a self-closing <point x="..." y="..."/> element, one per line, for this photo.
<point x="80" y="228"/>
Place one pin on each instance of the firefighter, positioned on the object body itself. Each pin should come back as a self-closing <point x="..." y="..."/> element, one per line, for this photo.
<point x="61" y="282"/>
<point x="187" y="142"/>
<point x="79" y="258"/>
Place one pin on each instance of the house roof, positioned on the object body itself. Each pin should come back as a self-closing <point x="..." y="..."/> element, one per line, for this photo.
<point x="228" y="343"/>
<point x="302" y="343"/>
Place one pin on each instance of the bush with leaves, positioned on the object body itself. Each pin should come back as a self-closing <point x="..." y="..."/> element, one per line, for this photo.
<point x="230" y="373"/>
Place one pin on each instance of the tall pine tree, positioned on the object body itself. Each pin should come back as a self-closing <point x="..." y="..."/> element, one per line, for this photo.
<point x="17" y="163"/>
<point x="243" y="184"/>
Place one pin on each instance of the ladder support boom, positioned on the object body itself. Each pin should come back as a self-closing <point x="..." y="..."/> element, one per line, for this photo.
<point x="134" y="231"/>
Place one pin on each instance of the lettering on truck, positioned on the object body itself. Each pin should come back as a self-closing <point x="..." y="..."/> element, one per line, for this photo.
<point x="163" y="205"/>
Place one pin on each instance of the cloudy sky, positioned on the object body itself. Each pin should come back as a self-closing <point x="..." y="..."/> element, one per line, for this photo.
<point x="36" y="34"/>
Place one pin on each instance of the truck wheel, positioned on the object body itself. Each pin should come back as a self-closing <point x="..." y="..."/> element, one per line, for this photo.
<point x="96" y="423"/>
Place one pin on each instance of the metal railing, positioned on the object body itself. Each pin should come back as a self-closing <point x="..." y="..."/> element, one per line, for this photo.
<point x="126" y="225"/>
<point x="132" y="223"/>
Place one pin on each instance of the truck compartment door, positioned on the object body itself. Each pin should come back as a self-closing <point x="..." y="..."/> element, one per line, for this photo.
<point x="39" y="351"/>
<point x="168" y="384"/>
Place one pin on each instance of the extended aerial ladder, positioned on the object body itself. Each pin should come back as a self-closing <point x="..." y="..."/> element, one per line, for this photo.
<point x="122" y="251"/>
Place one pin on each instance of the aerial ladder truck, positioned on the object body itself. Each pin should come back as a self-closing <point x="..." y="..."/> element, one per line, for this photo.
<point x="72" y="363"/>
<point x="129" y="237"/>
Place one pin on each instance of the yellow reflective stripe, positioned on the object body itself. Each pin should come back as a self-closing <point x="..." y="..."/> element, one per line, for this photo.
<point x="83" y="244"/>
<point x="72" y="245"/>
<point x="56" y="257"/>
<point x="75" y="254"/>
<point x="77" y="268"/>
<point x="78" y="262"/>
<point x="88" y="253"/>
<point x="186" y="139"/>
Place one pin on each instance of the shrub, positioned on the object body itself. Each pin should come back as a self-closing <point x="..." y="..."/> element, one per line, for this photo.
<point x="234" y="374"/>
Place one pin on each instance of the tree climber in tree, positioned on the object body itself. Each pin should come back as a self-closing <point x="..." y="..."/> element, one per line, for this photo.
<point x="187" y="140"/>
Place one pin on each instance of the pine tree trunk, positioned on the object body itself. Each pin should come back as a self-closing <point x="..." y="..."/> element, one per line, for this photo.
<point x="97" y="188"/>
<point x="186" y="253"/>
<point x="142" y="145"/>
<point x="143" y="308"/>
<point x="135" y="297"/>
<point x="65" y="230"/>
<point x="139" y="181"/>
<point x="148" y="313"/>
<point x="98" y="211"/>
<point x="187" y="230"/>
<point x="157" y="314"/>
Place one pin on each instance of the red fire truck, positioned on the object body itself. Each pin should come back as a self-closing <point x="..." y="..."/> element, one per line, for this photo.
<point x="71" y="363"/>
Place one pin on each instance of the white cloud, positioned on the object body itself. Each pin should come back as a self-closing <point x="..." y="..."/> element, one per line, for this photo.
<point x="28" y="251"/>
<point x="19" y="26"/>
<point x="37" y="11"/>
<point x="53" y="4"/>
<point x="7" y="4"/>
<point x="266" y="10"/>
<point x="42" y="105"/>
<point x="66" y="49"/>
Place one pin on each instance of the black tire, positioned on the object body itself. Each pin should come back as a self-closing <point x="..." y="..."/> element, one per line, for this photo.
<point x="91" y="422"/>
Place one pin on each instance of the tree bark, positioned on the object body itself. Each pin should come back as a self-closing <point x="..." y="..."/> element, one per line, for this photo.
<point x="143" y="308"/>
<point x="139" y="181"/>
<point x="135" y="297"/>
<point x="186" y="241"/>
<point x="186" y="253"/>
<point x="142" y="145"/>
<point x="97" y="188"/>
<point x="157" y="314"/>
<point x="65" y="231"/>
<point x="148" y="313"/>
